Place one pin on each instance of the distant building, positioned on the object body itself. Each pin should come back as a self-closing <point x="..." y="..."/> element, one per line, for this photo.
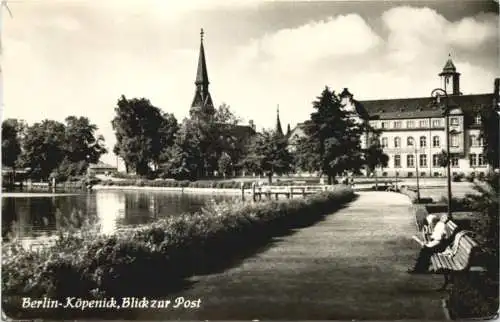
<point x="101" y="168"/>
<point x="414" y="129"/>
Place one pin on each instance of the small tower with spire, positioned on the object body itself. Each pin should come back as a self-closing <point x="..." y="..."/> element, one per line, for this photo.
<point x="450" y="75"/>
<point x="279" y="129"/>
<point x="202" y="105"/>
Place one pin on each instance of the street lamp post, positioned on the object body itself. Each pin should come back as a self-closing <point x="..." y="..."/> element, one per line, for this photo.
<point x="437" y="93"/>
<point x="416" y="168"/>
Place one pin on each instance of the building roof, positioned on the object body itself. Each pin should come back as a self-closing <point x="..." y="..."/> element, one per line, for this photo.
<point x="419" y="107"/>
<point x="239" y="131"/>
<point x="449" y="67"/>
<point x="101" y="165"/>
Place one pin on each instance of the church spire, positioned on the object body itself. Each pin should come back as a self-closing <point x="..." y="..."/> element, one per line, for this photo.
<point x="202" y="102"/>
<point x="279" y="130"/>
<point x="201" y="73"/>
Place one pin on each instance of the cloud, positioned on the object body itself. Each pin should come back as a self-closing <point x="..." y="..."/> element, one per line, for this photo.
<point x="337" y="36"/>
<point x="472" y="33"/>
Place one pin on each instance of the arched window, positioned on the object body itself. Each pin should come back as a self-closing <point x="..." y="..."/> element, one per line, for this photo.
<point x="435" y="141"/>
<point x="409" y="141"/>
<point x="478" y="119"/>
<point x="397" y="142"/>
<point x="423" y="141"/>
<point x="384" y="142"/>
<point x="410" y="161"/>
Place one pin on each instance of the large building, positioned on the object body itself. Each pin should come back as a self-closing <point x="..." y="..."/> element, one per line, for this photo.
<point x="414" y="129"/>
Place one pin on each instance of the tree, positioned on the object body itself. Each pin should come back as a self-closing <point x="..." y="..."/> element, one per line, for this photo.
<point x="375" y="156"/>
<point x="184" y="159"/>
<point x="142" y="132"/>
<point x="81" y="148"/>
<point x="268" y="154"/>
<point x="11" y="146"/>
<point x="332" y="142"/>
<point x="443" y="159"/>
<point x="43" y="148"/>
<point x="225" y="164"/>
<point x="81" y="144"/>
<point x="490" y="132"/>
<point x="486" y="225"/>
<point x="224" y="115"/>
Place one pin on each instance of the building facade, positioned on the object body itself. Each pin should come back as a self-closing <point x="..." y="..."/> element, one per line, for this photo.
<point x="414" y="129"/>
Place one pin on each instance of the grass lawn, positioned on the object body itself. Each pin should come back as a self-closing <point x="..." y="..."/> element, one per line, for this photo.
<point x="351" y="265"/>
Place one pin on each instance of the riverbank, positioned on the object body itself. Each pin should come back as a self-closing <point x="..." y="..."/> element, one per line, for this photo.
<point x="234" y="191"/>
<point x="156" y="259"/>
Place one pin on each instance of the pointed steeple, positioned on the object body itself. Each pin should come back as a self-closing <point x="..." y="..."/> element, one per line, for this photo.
<point x="448" y="74"/>
<point x="288" y="130"/>
<point x="201" y="73"/>
<point x="202" y="102"/>
<point x="279" y="130"/>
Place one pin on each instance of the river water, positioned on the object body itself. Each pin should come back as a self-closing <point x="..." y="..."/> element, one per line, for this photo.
<point x="30" y="216"/>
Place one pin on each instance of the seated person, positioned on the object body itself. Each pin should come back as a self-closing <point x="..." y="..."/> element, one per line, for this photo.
<point x="437" y="244"/>
<point x="429" y="223"/>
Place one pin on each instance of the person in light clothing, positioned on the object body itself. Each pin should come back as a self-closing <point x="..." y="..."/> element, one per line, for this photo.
<point x="437" y="244"/>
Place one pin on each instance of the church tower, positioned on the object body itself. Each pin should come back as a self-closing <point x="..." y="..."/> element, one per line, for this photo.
<point x="450" y="75"/>
<point x="279" y="129"/>
<point x="202" y="106"/>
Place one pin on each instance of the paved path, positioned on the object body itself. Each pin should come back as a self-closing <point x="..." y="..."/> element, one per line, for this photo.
<point x="352" y="265"/>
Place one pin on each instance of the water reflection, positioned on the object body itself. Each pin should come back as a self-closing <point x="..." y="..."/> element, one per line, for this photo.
<point x="33" y="216"/>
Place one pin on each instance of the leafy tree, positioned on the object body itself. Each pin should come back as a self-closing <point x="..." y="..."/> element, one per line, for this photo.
<point x="443" y="159"/>
<point x="490" y="132"/>
<point x="184" y="159"/>
<point x="81" y="144"/>
<point x="11" y="146"/>
<point x="142" y="132"/>
<point x="224" y="115"/>
<point x="374" y="156"/>
<point x="268" y="154"/>
<point x="43" y="148"/>
<point x="332" y="142"/>
<point x="225" y="164"/>
<point x="486" y="225"/>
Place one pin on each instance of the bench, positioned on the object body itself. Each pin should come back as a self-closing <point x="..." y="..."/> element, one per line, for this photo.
<point x="449" y="230"/>
<point x="457" y="257"/>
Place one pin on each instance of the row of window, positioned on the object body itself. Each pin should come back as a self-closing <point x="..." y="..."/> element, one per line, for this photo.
<point x="454" y="141"/>
<point x="475" y="160"/>
<point x="411" y="124"/>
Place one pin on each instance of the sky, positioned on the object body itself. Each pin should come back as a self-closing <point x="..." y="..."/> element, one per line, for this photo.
<point x="77" y="57"/>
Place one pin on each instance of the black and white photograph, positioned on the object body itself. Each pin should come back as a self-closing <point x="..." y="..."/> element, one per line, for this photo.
<point x="250" y="160"/>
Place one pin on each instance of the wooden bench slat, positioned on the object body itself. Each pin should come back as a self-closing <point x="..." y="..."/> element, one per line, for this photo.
<point x="457" y="256"/>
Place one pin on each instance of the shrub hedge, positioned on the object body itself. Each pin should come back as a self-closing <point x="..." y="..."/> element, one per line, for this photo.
<point x="155" y="259"/>
<point x="176" y="184"/>
<point x="233" y="184"/>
